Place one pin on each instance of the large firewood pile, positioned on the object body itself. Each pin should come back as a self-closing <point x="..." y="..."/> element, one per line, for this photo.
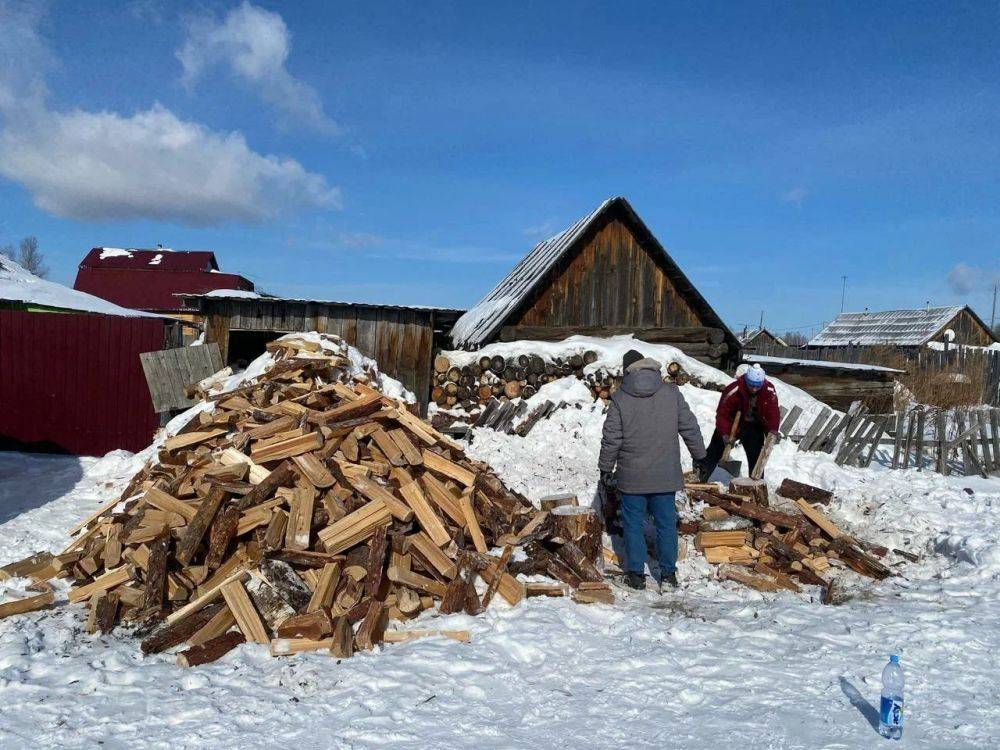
<point x="308" y="511"/>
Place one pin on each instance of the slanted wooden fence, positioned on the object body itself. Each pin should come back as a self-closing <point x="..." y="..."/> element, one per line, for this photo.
<point x="169" y="373"/>
<point x="956" y="441"/>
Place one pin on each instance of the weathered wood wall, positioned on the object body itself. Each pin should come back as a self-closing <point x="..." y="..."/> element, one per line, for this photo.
<point x="614" y="282"/>
<point x="399" y="339"/>
<point x="838" y="387"/>
<point x="967" y="330"/>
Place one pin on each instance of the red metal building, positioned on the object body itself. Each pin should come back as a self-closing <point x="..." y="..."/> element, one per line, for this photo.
<point x="151" y="279"/>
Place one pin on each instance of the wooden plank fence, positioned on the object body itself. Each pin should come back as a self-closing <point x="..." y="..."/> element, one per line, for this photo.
<point x="171" y="371"/>
<point x="957" y="441"/>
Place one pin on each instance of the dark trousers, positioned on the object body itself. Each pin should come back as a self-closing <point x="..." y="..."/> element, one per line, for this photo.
<point x="664" y="512"/>
<point x="750" y="435"/>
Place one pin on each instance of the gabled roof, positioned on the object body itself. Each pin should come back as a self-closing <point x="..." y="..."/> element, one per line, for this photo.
<point x="750" y="335"/>
<point x="895" y="327"/>
<point x="160" y="259"/>
<point x="482" y="322"/>
<point x="19" y="285"/>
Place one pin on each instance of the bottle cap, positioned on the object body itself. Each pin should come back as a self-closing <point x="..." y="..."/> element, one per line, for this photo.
<point x="894" y="658"/>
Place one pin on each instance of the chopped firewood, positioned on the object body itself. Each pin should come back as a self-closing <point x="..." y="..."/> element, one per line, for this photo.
<point x="741" y="575"/>
<point x="594" y="596"/>
<point x="554" y="501"/>
<point x="342" y="639"/>
<point x="246" y="616"/>
<point x="372" y="627"/>
<point x="27" y="604"/>
<point x="819" y="518"/>
<point x="795" y="490"/>
<point x="314" y="625"/>
<point x="705" y="539"/>
<point x="719" y="555"/>
<point x="472" y="523"/>
<point x="497" y="576"/>
<point x="544" y="589"/>
<point x="211" y="650"/>
<point x="402" y="636"/>
<point x="441" y="465"/>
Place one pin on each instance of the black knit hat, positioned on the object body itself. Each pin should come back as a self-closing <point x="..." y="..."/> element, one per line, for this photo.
<point x="630" y="358"/>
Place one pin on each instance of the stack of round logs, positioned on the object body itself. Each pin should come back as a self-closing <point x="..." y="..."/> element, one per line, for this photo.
<point x="502" y="378"/>
<point x="474" y="384"/>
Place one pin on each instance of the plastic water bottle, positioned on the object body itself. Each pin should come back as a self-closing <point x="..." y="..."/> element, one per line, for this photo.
<point x="890" y="715"/>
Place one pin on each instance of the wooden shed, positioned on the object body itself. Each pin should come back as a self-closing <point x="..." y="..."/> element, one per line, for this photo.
<point x="605" y="275"/>
<point x="400" y="338"/>
<point x="756" y="338"/>
<point x="836" y="384"/>
<point x="957" y="325"/>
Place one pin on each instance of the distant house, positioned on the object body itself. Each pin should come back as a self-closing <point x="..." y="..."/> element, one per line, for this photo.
<point x="754" y="338"/>
<point x="70" y="376"/>
<point x="905" y="328"/>
<point x="151" y="280"/>
<point x="605" y="275"/>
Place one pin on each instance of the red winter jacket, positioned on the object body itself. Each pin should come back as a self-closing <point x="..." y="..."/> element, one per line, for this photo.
<point x="736" y="398"/>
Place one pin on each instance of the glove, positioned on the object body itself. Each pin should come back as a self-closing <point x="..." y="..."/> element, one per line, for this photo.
<point x="777" y="436"/>
<point x="608" y="479"/>
<point x="701" y="466"/>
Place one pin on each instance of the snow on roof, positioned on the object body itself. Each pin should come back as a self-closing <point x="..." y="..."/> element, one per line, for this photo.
<point x="160" y="258"/>
<point x="898" y="327"/>
<point x="488" y="314"/>
<point x="233" y="293"/>
<point x="19" y="285"/>
<point x="762" y="360"/>
<point x="750" y="335"/>
<point x="229" y="294"/>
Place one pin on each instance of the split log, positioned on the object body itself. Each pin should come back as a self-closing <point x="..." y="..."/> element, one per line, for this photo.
<point x="172" y="634"/>
<point x="755" y="489"/>
<point x="794" y="490"/>
<point x="211" y="650"/>
<point x="582" y="526"/>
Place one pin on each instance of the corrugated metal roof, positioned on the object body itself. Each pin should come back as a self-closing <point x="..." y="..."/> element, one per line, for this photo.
<point x="479" y="323"/>
<point x="750" y="335"/>
<point x="895" y="327"/>
<point x="159" y="259"/>
<point x="221" y="295"/>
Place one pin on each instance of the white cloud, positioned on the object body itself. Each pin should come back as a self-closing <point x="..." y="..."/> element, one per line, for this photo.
<point x="795" y="196"/>
<point x="964" y="279"/>
<point x="152" y="164"/>
<point x="360" y="240"/>
<point x="254" y="45"/>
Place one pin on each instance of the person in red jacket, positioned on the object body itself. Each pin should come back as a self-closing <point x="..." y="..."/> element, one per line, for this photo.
<point x="753" y="400"/>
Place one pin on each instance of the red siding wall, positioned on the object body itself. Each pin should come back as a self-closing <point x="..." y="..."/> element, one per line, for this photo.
<point x="73" y="383"/>
<point x="144" y="289"/>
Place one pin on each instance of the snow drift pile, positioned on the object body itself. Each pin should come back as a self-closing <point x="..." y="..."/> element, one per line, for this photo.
<point x="304" y="508"/>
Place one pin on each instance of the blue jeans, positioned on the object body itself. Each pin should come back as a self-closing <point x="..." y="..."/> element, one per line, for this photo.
<point x="664" y="512"/>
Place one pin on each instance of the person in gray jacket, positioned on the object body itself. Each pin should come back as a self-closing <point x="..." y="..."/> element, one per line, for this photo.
<point x="641" y="439"/>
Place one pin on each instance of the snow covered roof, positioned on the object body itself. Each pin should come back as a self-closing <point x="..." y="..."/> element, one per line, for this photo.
<point x="19" y="285"/>
<point x="159" y="259"/>
<point x="750" y="335"/>
<point x="237" y="296"/>
<point x="897" y="327"/>
<point x="820" y="363"/>
<point x="481" y="322"/>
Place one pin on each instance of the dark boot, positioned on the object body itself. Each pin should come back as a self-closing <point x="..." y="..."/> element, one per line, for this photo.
<point x="670" y="579"/>
<point x="635" y="580"/>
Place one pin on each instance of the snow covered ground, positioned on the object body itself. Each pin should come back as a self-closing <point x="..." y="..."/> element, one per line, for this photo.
<point x="710" y="665"/>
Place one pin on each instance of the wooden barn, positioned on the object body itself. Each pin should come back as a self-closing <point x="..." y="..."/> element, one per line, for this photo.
<point x="400" y="338"/>
<point x="605" y="275"/>
<point x="756" y="338"/>
<point x="957" y="325"/>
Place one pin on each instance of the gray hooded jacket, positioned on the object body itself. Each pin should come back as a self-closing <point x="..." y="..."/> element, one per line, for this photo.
<point x="641" y="430"/>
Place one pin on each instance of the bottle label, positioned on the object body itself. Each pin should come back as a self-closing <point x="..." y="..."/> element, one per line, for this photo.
<point x="892" y="712"/>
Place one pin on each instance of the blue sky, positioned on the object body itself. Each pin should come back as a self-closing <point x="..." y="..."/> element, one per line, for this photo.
<point x="412" y="152"/>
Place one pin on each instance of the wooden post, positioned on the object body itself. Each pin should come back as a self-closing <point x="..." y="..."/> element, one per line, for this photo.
<point x="898" y="441"/>
<point x="790" y="420"/>
<point x="883" y="422"/>
<point x="989" y="459"/>
<point x="909" y="439"/>
<point x="920" y="440"/>
<point x="962" y="444"/>
<point x="942" y="436"/>
<point x="814" y="429"/>
<point x="755" y="489"/>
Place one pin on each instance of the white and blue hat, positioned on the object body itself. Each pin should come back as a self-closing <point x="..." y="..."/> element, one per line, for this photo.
<point x="755" y="376"/>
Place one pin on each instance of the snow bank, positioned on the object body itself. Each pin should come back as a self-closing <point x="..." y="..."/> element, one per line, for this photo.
<point x="233" y="294"/>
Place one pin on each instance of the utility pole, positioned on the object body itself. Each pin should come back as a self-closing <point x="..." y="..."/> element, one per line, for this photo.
<point x="761" y="326"/>
<point x="843" y="293"/>
<point x="993" y="315"/>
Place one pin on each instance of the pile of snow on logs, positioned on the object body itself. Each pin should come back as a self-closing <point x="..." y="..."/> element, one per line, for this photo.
<point x="307" y="510"/>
